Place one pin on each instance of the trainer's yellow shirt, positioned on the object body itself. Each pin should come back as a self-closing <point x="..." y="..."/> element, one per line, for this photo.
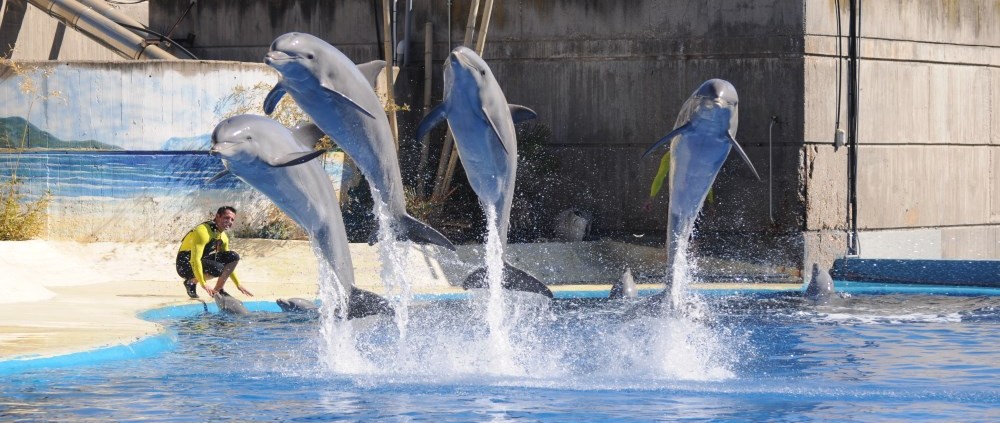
<point x="197" y="240"/>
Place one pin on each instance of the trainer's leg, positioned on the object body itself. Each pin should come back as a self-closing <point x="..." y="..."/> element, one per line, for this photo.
<point x="231" y="260"/>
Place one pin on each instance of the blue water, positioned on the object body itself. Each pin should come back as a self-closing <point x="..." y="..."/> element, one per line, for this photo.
<point x="769" y="357"/>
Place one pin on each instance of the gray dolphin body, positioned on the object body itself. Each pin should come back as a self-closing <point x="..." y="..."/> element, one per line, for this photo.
<point x="702" y="137"/>
<point x="262" y="152"/>
<point x="338" y="96"/>
<point x="624" y="287"/>
<point x="483" y="125"/>
<point x="820" y="288"/>
<point x="229" y="304"/>
<point x="296" y="305"/>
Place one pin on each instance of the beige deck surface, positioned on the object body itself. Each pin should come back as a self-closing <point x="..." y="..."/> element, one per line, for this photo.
<point x="61" y="297"/>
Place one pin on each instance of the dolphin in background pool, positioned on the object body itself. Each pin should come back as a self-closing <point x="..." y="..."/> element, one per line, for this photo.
<point x="820" y="288"/>
<point x="483" y="125"/>
<point x="266" y="155"/>
<point x="703" y="135"/>
<point x="339" y="97"/>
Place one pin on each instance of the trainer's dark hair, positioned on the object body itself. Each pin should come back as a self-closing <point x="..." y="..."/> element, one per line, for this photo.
<point x="224" y="208"/>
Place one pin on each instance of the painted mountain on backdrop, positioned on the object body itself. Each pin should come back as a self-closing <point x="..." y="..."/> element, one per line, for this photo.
<point x="12" y="132"/>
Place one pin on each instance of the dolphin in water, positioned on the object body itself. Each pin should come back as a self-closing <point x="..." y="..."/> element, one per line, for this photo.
<point x="296" y="305"/>
<point x="820" y="288"/>
<point x="703" y="135"/>
<point x="339" y="97"/>
<point x="483" y="125"/>
<point x="276" y="162"/>
<point x="229" y="304"/>
<point x="624" y="287"/>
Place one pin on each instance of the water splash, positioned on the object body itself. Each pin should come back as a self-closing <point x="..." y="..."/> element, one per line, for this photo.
<point x="393" y="256"/>
<point x="338" y="348"/>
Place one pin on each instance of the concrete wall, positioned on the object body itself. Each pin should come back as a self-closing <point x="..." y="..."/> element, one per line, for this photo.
<point x="928" y="180"/>
<point x="28" y="33"/>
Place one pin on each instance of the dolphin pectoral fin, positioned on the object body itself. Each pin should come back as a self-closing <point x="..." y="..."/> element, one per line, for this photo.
<point x="371" y="70"/>
<point x="297" y="158"/>
<point x="218" y="176"/>
<point x="422" y="233"/>
<point x="433" y="118"/>
<point x="743" y="154"/>
<point x="513" y="279"/>
<point x="666" y="139"/>
<point x="493" y="126"/>
<point x="520" y="113"/>
<point x="362" y="303"/>
<point x="273" y="97"/>
<point x="337" y="95"/>
<point x="307" y="134"/>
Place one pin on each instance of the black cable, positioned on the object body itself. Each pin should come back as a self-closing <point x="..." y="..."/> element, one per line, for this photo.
<point x="840" y="64"/>
<point x="161" y="36"/>
<point x="852" y="125"/>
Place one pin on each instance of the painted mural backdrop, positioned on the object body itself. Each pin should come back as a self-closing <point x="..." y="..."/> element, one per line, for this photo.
<point x="122" y="148"/>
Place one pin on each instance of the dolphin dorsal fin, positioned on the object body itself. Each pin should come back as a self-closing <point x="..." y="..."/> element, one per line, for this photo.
<point x="273" y="97"/>
<point x="496" y="132"/>
<point x="520" y="113"/>
<point x="678" y="131"/>
<point x="307" y="134"/>
<point x="433" y="118"/>
<point x="371" y="70"/>
<point x="739" y="149"/>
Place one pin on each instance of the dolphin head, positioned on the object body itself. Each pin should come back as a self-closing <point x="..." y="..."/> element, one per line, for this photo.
<point x="295" y="54"/>
<point x="716" y="100"/>
<point x="235" y="139"/>
<point x="465" y="68"/>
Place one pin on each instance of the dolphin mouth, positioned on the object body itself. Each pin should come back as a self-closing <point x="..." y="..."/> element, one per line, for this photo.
<point x="277" y="57"/>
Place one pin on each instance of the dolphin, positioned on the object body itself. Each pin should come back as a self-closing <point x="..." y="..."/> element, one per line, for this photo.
<point x="229" y="304"/>
<point x="624" y="287"/>
<point x="483" y="125"/>
<point x="266" y="155"/>
<point x="339" y="97"/>
<point x="703" y="135"/>
<point x="820" y="288"/>
<point x="296" y="305"/>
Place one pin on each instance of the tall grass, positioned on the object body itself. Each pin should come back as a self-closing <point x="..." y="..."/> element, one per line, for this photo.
<point x="19" y="219"/>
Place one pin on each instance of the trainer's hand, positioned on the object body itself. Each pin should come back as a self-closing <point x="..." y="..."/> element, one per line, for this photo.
<point x="244" y="290"/>
<point x="210" y="291"/>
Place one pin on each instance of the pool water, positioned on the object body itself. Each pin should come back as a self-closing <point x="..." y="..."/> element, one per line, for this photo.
<point x="734" y="357"/>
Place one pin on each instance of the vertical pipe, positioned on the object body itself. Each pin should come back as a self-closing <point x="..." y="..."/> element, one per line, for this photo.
<point x="390" y="87"/>
<point x="428" y="71"/>
<point x="852" y="127"/>
<point x="484" y="27"/>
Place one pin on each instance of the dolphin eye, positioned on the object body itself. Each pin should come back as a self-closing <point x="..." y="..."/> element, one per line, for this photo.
<point x="309" y="56"/>
<point x="248" y="138"/>
<point x="482" y="73"/>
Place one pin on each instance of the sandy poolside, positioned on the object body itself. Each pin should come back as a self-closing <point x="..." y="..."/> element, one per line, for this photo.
<point x="60" y="297"/>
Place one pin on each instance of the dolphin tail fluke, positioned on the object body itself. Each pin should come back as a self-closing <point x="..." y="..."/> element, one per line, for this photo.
<point x="421" y="233"/>
<point x="666" y="139"/>
<point x="363" y="304"/>
<point x="513" y="279"/>
<point x="743" y="154"/>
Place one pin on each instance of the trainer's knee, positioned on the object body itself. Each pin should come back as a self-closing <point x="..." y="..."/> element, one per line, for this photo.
<point x="229" y="257"/>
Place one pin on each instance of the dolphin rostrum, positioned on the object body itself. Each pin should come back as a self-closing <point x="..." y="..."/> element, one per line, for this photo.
<point x="483" y="125"/>
<point x="266" y="155"/>
<point x="339" y="97"/>
<point x="703" y="135"/>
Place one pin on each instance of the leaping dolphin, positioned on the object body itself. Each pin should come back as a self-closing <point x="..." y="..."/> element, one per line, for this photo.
<point x="339" y="97"/>
<point x="703" y="134"/>
<point x="266" y="155"/>
<point x="483" y="125"/>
